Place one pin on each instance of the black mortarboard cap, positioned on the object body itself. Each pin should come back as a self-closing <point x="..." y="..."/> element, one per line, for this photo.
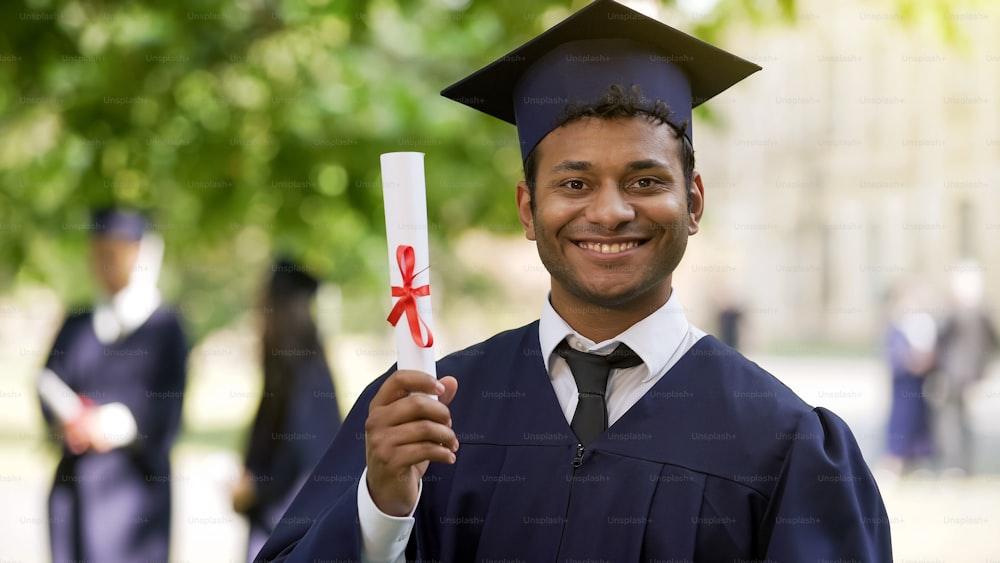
<point x="577" y="60"/>
<point x="119" y="223"/>
<point x="289" y="279"/>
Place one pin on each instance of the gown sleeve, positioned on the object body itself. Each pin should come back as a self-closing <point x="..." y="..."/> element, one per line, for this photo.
<point x="826" y="506"/>
<point x="156" y="402"/>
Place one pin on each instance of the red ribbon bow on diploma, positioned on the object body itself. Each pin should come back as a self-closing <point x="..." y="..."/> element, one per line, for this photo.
<point x="408" y="294"/>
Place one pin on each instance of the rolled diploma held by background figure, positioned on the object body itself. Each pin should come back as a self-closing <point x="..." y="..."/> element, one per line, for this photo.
<point x="61" y="400"/>
<point x="406" y="224"/>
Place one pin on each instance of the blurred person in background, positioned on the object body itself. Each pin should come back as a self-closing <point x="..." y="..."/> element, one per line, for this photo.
<point x="966" y="338"/>
<point x="298" y="414"/>
<point x="112" y="391"/>
<point x="729" y="315"/>
<point x="909" y="349"/>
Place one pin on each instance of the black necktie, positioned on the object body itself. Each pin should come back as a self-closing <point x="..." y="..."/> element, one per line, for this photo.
<point x="591" y="374"/>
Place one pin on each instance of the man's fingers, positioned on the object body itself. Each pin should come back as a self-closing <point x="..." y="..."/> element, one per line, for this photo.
<point x="404" y="383"/>
<point x="408" y="409"/>
<point x="385" y="439"/>
<point x="406" y="455"/>
<point x="450" y="385"/>
<point x="408" y="425"/>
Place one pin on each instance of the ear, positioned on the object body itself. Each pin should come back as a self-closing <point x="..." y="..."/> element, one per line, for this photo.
<point x="524" y="212"/>
<point x="696" y="193"/>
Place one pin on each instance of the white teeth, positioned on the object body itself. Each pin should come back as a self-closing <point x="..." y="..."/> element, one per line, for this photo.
<point x="605" y="248"/>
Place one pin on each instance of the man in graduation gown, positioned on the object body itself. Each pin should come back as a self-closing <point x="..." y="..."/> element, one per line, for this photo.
<point x="111" y="392"/>
<point x="697" y="454"/>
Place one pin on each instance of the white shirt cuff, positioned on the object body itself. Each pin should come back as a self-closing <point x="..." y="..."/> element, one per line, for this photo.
<point x="116" y="424"/>
<point x="383" y="537"/>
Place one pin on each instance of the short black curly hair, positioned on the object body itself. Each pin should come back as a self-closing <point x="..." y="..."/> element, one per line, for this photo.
<point x="617" y="103"/>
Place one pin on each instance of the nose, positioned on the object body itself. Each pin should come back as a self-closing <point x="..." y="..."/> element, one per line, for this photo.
<point x="609" y="207"/>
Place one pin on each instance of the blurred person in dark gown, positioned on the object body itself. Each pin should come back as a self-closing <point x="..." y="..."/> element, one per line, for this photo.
<point x="966" y="338"/>
<point x="729" y="315"/>
<point x="298" y="413"/>
<point x="909" y="348"/>
<point x="112" y="392"/>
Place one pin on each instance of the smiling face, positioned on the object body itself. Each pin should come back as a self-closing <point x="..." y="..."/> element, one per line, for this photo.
<point x="610" y="216"/>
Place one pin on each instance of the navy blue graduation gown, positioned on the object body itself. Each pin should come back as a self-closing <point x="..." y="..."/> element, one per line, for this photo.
<point x="910" y="414"/>
<point x="718" y="462"/>
<point x="115" y="506"/>
<point x="293" y="427"/>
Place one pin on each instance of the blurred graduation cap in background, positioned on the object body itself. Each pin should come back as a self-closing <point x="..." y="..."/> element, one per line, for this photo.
<point x="576" y="61"/>
<point x="120" y="223"/>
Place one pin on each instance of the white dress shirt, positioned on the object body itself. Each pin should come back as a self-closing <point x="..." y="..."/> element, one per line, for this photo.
<point x="660" y="340"/>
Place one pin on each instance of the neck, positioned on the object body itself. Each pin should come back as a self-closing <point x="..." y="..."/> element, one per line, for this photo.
<point x="603" y="322"/>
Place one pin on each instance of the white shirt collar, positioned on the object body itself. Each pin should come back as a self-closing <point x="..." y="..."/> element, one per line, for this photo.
<point x="654" y="339"/>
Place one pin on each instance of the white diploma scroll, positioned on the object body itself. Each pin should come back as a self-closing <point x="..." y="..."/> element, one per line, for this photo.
<point x="405" y="199"/>
<point x="57" y="396"/>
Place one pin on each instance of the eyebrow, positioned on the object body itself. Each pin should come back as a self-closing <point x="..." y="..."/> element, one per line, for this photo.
<point x="571" y="165"/>
<point x="646" y="164"/>
<point x="583" y="165"/>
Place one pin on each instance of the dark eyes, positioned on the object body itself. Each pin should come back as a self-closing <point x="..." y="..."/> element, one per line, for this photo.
<point x="641" y="183"/>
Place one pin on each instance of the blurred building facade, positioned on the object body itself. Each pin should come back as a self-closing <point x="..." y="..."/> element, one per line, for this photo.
<point x="867" y="153"/>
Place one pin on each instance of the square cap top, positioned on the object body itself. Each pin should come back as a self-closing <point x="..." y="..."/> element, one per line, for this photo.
<point x="578" y="59"/>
